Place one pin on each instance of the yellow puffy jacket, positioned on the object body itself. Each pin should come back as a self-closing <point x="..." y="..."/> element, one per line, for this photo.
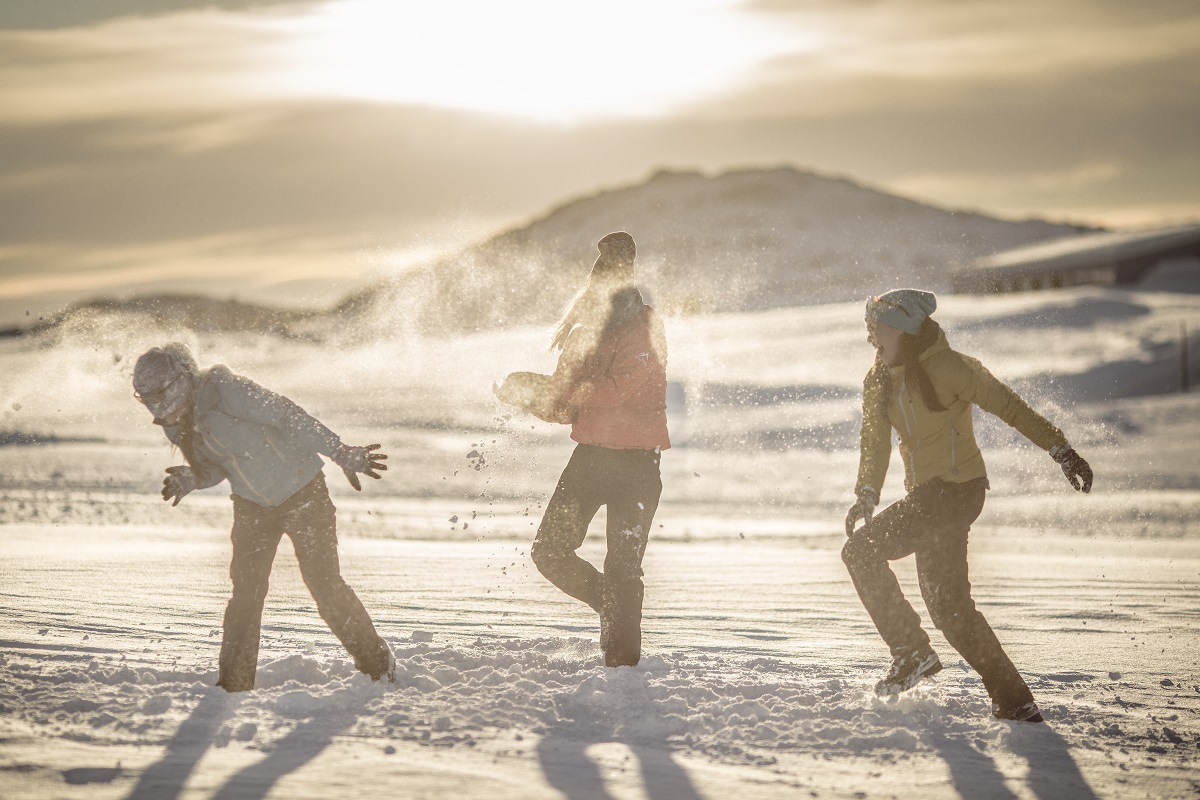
<point x="941" y="444"/>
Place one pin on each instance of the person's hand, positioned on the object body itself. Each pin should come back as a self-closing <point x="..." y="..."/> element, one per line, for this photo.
<point x="863" y="509"/>
<point x="179" y="482"/>
<point x="1074" y="467"/>
<point x="354" y="460"/>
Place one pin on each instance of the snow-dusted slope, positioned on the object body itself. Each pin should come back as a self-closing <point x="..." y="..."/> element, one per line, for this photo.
<point x="750" y="239"/>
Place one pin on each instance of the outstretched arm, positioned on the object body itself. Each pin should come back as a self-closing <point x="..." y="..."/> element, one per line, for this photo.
<point x="245" y="399"/>
<point x="975" y="383"/>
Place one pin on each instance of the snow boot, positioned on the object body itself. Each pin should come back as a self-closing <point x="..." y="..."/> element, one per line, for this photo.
<point x="1025" y="712"/>
<point x="908" y="670"/>
<point x="621" y="626"/>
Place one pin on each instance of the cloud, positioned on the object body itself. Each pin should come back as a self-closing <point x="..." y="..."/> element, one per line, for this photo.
<point x="532" y="59"/>
<point x="880" y="55"/>
<point x="52" y="14"/>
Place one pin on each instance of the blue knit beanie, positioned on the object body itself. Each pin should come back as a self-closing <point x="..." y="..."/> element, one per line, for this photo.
<point x="905" y="309"/>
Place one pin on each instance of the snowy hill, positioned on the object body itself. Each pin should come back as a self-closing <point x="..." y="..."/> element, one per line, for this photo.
<point x="194" y="312"/>
<point x="744" y="240"/>
<point x="741" y="241"/>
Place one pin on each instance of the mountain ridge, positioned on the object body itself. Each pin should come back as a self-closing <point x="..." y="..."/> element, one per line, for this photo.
<point x="741" y="240"/>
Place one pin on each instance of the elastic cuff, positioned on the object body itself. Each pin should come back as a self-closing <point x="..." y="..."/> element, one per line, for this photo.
<point x="871" y="492"/>
<point x="1058" y="449"/>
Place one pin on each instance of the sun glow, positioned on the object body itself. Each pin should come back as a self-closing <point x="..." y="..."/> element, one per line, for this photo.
<point x="543" y="59"/>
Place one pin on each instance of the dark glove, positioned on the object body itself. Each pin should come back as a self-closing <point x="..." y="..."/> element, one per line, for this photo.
<point x="179" y="482"/>
<point x="1074" y="467"/>
<point x="354" y="460"/>
<point x="864" y="509"/>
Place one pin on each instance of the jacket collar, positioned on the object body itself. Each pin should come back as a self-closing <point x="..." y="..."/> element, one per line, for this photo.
<point x="941" y="344"/>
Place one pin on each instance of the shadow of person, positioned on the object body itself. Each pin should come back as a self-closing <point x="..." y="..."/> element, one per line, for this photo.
<point x="329" y="716"/>
<point x="973" y="773"/>
<point x="164" y="779"/>
<point x="567" y="768"/>
<point x="1053" y="773"/>
<point x="611" y="708"/>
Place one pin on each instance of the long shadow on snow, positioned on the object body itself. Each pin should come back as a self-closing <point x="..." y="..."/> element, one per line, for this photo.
<point x="1053" y="774"/>
<point x="164" y="780"/>
<point x="626" y="716"/>
<point x="336" y="713"/>
<point x="973" y="774"/>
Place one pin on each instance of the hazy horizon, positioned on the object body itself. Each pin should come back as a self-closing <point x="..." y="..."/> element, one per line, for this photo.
<point x="295" y="150"/>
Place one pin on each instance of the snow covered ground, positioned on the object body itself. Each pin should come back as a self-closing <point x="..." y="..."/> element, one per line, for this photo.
<point x="759" y="659"/>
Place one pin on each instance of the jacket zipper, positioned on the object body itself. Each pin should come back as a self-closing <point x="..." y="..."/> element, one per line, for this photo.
<point x="953" y="460"/>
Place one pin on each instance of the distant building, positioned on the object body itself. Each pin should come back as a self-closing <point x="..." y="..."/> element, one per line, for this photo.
<point x="1166" y="258"/>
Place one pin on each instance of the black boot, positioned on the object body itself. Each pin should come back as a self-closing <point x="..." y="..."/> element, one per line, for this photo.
<point x="621" y="624"/>
<point x="908" y="670"/>
<point x="1025" y="712"/>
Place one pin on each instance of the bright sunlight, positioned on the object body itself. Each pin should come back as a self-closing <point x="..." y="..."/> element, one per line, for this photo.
<point x="541" y="59"/>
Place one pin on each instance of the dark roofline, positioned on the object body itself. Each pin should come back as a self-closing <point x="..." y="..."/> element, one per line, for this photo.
<point x="1108" y="248"/>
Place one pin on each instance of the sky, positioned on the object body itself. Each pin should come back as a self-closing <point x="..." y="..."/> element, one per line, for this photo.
<point x="289" y="151"/>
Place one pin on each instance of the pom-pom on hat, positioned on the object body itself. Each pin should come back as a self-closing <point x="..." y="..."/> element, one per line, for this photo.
<point x="617" y="254"/>
<point x="905" y="309"/>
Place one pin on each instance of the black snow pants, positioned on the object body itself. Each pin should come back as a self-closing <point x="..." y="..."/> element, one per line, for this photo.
<point x="629" y="484"/>
<point x="932" y="521"/>
<point x="308" y="517"/>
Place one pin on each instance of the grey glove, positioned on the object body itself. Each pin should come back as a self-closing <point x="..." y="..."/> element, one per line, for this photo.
<point x="179" y="482"/>
<point x="864" y="509"/>
<point x="353" y="460"/>
<point x="1074" y="467"/>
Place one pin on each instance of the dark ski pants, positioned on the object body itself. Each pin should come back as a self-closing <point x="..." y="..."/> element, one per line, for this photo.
<point x="629" y="484"/>
<point x="308" y="517"/>
<point x="932" y="521"/>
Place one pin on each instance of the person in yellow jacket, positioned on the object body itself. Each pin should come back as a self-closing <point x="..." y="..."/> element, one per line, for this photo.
<point x="925" y="391"/>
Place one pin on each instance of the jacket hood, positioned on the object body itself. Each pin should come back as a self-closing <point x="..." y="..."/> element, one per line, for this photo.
<point x="939" y="345"/>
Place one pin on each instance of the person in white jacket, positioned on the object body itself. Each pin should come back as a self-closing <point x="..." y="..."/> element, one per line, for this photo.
<point x="269" y="449"/>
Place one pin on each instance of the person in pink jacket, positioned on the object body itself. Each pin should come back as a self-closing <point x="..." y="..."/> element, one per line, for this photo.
<point x="610" y="385"/>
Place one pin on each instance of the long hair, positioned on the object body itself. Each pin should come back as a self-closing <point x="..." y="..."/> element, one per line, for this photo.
<point x="915" y="377"/>
<point x="600" y="308"/>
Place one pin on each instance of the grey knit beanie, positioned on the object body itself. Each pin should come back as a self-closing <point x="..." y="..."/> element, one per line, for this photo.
<point x="905" y="309"/>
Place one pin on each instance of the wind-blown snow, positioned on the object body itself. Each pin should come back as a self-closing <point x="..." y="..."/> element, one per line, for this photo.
<point x="758" y="655"/>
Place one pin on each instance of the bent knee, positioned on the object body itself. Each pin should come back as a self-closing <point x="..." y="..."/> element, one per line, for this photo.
<point x="544" y="556"/>
<point x="856" y="551"/>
